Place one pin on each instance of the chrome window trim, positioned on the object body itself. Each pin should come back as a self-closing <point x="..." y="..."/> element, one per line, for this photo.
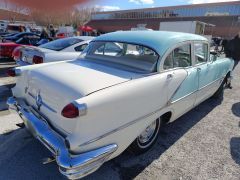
<point x="165" y="55"/>
<point x="208" y="56"/>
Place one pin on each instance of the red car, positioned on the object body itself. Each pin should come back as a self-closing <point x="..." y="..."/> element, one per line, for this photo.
<point x="6" y="48"/>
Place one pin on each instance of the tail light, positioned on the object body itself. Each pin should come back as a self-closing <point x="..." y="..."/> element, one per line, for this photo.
<point x="70" y="111"/>
<point x="37" y="60"/>
<point x="11" y="72"/>
<point x="17" y="54"/>
<point x="61" y="35"/>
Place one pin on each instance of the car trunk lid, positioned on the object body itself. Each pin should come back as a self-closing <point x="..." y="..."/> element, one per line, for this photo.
<point x="60" y="84"/>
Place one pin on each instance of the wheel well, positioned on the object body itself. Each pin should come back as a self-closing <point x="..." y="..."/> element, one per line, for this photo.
<point x="227" y="76"/>
<point x="165" y="118"/>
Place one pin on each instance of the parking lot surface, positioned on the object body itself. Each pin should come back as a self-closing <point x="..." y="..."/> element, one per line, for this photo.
<point x="202" y="144"/>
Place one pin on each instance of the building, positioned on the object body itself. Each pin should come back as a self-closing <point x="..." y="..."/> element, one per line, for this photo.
<point x="13" y="16"/>
<point x="225" y="16"/>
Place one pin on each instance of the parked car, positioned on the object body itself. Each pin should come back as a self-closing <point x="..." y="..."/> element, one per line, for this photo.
<point x="65" y="31"/>
<point x="7" y="49"/>
<point x="58" y="50"/>
<point x="123" y="87"/>
<point x="17" y="36"/>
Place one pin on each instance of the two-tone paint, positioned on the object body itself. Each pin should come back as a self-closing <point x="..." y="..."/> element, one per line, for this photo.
<point x="118" y="104"/>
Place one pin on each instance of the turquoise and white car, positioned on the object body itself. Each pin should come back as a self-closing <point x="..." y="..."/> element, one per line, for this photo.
<point x="116" y="95"/>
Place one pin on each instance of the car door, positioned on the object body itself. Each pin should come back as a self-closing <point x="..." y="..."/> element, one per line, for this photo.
<point x="184" y="96"/>
<point x="206" y="71"/>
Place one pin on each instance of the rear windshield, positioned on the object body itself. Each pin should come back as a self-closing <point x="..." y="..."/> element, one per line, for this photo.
<point x="129" y="55"/>
<point x="14" y="27"/>
<point x="61" y="44"/>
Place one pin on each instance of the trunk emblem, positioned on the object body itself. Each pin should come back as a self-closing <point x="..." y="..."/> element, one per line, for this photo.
<point x="24" y="58"/>
<point x="39" y="101"/>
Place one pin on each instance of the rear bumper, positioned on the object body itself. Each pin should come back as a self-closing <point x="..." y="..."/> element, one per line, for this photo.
<point x="22" y="63"/>
<point x="71" y="166"/>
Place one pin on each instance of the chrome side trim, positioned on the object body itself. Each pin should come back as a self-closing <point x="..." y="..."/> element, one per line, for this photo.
<point x="121" y="127"/>
<point x="72" y="166"/>
<point x="172" y="102"/>
<point x="211" y="83"/>
<point x="138" y="119"/>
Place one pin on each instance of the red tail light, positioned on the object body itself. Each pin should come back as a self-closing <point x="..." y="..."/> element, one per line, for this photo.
<point x="37" y="60"/>
<point x="61" y="35"/>
<point x="70" y="111"/>
<point x="16" y="53"/>
<point x="11" y="72"/>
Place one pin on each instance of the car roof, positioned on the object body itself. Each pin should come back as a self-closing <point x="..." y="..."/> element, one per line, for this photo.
<point x="159" y="41"/>
<point x="85" y="38"/>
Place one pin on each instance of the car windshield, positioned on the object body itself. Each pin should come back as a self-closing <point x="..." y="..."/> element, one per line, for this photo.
<point x="133" y="56"/>
<point x="61" y="44"/>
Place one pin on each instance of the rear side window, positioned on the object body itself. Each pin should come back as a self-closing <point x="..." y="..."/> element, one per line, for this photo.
<point x="201" y="52"/>
<point x="61" y="44"/>
<point x="179" y="57"/>
<point x="80" y="48"/>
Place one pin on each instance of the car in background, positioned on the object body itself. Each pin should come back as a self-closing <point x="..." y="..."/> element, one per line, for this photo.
<point x="17" y="36"/>
<point x="8" y="49"/>
<point x="57" y="50"/>
<point x="65" y="31"/>
<point x="124" y="87"/>
<point x="15" y="28"/>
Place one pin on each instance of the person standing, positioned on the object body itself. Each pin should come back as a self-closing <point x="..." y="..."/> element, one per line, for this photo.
<point x="234" y="49"/>
<point x="44" y="34"/>
<point x="52" y="31"/>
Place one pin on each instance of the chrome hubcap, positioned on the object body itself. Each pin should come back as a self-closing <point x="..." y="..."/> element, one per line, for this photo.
<point x="146" y="135"/>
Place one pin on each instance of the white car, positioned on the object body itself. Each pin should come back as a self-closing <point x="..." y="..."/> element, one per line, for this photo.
<point x="124" y="87"/>
<point x="58" y="50"/>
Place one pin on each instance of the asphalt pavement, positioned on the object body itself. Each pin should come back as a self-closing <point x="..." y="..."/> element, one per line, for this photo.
<point x="202" y="144"/>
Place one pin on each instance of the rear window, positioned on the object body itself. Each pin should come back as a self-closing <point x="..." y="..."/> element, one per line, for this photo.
<point x="14" y="28"/>
<point x="129" y="55"/>
<point x="61" y="44"/>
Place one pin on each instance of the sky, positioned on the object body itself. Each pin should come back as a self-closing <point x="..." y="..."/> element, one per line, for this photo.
<point x="109" y="5"/>
<point x="103" y="5"/>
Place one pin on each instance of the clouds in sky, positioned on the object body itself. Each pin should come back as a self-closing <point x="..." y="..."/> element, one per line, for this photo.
<point x="108" y="8"/>
<point x="208" y="1"/>
<point x="142" y="1"/>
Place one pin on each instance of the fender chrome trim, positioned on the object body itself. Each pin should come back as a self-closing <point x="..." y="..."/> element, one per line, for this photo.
<point x="71" y="166"/>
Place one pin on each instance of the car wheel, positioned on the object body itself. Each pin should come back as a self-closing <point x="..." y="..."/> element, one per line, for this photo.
<point x="146" y="139"/>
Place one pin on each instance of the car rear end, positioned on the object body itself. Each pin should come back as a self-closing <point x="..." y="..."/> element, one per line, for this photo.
<point x="47" y="104"/>
<point x="29" y="55"/>
<point x="6" y="49"/>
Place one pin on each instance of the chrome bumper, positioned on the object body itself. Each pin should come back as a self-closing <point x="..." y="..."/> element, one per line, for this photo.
<point x="72" y="166"/>
<point x="22" y="63"/>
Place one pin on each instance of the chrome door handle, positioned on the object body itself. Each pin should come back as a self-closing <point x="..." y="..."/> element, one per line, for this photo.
<point x="199" y="69"/>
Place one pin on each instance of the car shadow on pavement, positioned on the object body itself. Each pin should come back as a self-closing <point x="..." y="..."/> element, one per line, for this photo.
<point x="21" y="155"/>
<point x="235" y="149"/>
<point x="236" y="109"/>
<point x="5" y="92"/>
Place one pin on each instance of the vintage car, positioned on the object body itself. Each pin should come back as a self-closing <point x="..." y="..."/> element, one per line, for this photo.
<point x="58" y="50"/>
<point x="116" y="95"/>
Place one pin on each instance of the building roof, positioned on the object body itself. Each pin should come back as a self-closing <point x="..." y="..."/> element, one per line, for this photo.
<point x="173" y="7"/>
<point x="159" y="41"/>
